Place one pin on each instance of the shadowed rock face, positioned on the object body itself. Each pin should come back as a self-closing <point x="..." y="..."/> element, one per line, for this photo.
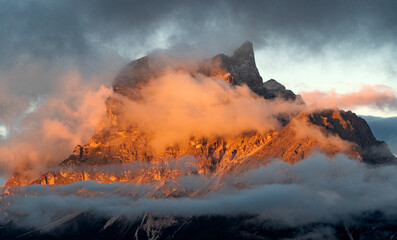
<point x="328" y="131"/>
<point x="242" y="66"/>
<point x="348" y="126"/>
<point x="243" y="69"/>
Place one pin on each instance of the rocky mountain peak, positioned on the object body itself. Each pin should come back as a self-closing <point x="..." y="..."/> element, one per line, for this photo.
<point x="273" y="85"/>
<point x="238" y="69"/>
<point x="241" y="65"/>
<point x="348" y="126"/>
<point x="245" y="51"/>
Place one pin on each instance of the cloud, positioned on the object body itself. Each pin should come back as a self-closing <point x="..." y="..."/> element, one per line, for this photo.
<point x="51" y="30"/>
<point x="332" y="143"/>
<point x="177" y="105"/>
<point x="380" y="96"/>
<point x="315" y="190"/>
<point x="172" y="108"/>
<point x="86" y="32"/>
<point x="48" y="132"/>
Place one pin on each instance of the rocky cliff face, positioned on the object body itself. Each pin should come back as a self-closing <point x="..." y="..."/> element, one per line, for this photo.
<point x="328" y="131"/>
<point x="348" y="126"/>
<point x="243" y="70"/>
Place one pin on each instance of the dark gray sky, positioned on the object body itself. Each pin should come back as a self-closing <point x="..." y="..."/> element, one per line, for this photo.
<point x="80" y="30"/>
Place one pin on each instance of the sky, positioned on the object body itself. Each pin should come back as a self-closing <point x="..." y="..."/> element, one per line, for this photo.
<point x="307" y="45"/>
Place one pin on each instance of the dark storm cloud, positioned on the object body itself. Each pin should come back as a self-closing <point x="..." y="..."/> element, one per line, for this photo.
<point x="93" y="34"/>
<point x="53" y="29"/>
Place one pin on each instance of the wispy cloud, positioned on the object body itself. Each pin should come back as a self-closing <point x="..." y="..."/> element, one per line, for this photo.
<point x="380" y="96"/>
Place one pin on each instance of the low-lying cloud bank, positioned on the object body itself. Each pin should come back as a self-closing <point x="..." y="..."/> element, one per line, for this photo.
<point x="314" y="190"/>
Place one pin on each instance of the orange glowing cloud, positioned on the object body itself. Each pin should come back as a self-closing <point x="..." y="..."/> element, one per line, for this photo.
<point x="66" y="117"/>
<point x="177" y="105"/>
<point x="380" y="96"/>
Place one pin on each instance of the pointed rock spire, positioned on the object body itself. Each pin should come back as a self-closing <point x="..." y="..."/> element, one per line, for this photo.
<point x="245" y="51"/>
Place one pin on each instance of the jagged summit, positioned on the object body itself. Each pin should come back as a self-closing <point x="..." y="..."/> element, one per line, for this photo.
<point x="241" y="65"/>
<point x="246" y="50"/>
<point x="238" y="69"/>
<point x="273" y="85"/>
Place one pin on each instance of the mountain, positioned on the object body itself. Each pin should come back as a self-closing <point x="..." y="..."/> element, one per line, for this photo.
<point x="348" y="126"/>
<point x="302" y="133"/>
<point x="204" y="170"/>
